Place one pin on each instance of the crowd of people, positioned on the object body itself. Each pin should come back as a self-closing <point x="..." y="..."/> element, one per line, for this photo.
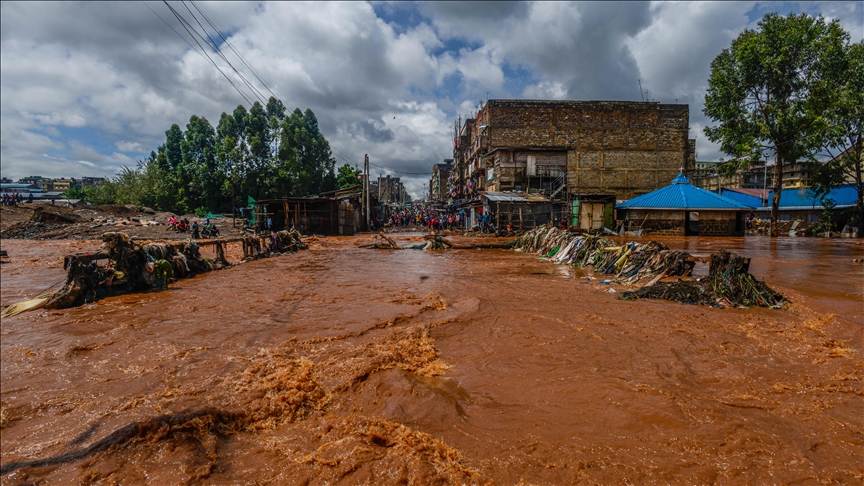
<point x="431" y="219"/>
<point x="10" y="199"/>
<point x="182" y="225"/>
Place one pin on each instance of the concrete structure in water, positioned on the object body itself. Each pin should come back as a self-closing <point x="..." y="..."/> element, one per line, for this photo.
<point x="584" y="155"/>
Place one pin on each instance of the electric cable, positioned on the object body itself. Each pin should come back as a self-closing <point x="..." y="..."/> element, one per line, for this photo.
<point x="212" y="43"/>
<point x="243" y="60"/>
<point x="183" y="23"/>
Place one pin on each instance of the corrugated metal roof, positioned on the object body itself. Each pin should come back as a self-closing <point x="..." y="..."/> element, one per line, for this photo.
<point x="804" y="196"/>
<point x="746" y="198"/>
<point x="17" y="185"/>
<point x="760" y="193"/>
<point x="682" y="195"/>
<point x="514" y="197"/>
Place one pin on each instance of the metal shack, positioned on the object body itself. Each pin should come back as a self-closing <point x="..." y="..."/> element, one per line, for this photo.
<point x="521" y="211"/>
<point x="682" y="209"/>
<point x="332" y="213"/>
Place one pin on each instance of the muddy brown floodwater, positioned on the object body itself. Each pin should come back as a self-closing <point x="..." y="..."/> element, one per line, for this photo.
<point x="356" y="366"/>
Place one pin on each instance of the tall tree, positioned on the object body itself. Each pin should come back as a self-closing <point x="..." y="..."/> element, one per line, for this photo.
<point x="770" y="92"/>
<point x="844" y="144"/>
<point x="348" y="176"/>
<point x="229" y="156"/>
<point x="173" y="149"/>
<point x="257" y="132"/>
<point x="201" y="180"/>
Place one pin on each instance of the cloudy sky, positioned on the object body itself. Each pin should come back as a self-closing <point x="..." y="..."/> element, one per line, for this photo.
<point x="89" y="87"/>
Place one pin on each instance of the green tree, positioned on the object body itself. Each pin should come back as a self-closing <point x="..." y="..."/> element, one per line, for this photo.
<point x="348" y="176"/>
<point x="258" y="167"/>
<point x="103" y="193"/>
<point x="75" y="192"/>
<point x="229" y="155"/>
<point x="771" y="90"/>
<point x="844" y="144"/>
<point x="200" y="175"/>
<point x="173" y="153"/>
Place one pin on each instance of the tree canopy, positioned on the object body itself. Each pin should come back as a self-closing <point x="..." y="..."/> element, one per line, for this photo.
<point x="348" y="176"/>
<point x="261" y="152"/>
<point x="771" y="92"/>
<point x="844" y="141"/>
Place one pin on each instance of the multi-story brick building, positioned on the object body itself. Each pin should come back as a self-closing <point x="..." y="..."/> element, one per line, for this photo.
<point x="391" y="191"/>
<point x="63" y="184"/>
<point x="88" y="181"/>
<point x="591" y="152"/>
<point x="439" y="183"/>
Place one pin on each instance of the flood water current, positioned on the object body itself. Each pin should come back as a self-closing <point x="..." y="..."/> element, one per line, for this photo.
<point x="358" y="366"/>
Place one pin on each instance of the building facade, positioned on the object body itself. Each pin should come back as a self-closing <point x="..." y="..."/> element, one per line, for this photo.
<point x="591" y="152"/>
<point x="391" y="191"/>
<point x="439" y="184"/>
<point x="621" y="149"/>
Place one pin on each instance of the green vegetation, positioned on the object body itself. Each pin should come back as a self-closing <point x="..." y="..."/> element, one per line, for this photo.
<point x="348" y="176"/>
<point x="263" y="153"/>
<point x="845" y="136"/>
<point x="772" y="92"/>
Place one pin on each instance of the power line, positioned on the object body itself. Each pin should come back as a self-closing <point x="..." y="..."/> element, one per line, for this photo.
<point x="225" y="40"/>
<point x="183" y="23"/>
<point x="255" y="92"/>
<point x="402" y="172"/>
<point x="172" y="28"/>
<point x="212" y="43"/>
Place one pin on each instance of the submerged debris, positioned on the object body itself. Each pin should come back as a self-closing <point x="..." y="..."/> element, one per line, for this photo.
<point x="629" y="263"/>
<point x="728" y="284"/>
<point x="131" y="267"/>
<point x="138" y="267"/>
<point x="381" y="241"/>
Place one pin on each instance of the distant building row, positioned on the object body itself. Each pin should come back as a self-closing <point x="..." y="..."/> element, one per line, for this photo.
<point x="46" y="184"/>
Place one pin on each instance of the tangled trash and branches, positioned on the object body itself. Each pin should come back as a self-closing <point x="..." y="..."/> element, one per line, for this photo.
<point x="131" y="267"/>
<point x="729" y="284"/>
<point x="381" y="241"/>
<point x="137" y="266"/>
<point x="276" y="243"/>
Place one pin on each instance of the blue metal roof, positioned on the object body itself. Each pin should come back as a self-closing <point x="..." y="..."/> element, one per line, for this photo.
<point x="683" y="195"/>
<point x="844" y="195"/>
<point x="741" y="197"/>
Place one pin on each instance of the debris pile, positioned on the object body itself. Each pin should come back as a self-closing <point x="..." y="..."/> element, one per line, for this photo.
<point x="380" y="241"/>
<point x="728" y="284"/>
<point x="278" y="243"/>
<point x="629" y="263"/>
<point x="131" y="267"/>
<point x="44" y="220"/>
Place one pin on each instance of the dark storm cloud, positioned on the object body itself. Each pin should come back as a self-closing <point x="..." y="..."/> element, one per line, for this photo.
<point x="373" y="131"/>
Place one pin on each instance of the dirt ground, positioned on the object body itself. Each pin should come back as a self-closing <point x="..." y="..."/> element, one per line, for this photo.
<point x="47" y="222"/>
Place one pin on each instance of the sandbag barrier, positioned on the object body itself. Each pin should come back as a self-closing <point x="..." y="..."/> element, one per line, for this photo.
<point x="135" y="266"/>
<point x="728" y="284"/>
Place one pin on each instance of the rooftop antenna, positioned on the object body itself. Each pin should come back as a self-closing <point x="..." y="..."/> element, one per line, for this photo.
<point x="640" y="90"/>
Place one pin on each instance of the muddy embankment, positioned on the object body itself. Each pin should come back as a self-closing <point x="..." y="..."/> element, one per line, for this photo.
<point x="421" y="367"/>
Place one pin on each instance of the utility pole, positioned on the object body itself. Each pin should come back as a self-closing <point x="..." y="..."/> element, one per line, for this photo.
<point x="233" y="201"/>
<point x="366" y="166"/>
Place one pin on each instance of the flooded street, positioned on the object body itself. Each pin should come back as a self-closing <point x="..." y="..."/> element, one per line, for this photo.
<point x="435" y="367"/>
